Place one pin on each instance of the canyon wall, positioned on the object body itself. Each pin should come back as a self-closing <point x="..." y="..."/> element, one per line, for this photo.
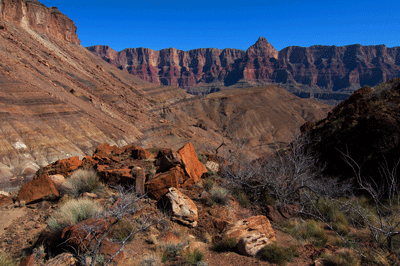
<point x="317" y="71"/>
<point x="31" y="14"/>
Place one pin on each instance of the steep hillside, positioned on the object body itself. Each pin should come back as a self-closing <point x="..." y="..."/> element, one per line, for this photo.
<point x="366" y="127"/>
<point x="266" y="118"/>
<point x="322" y="72"/>
<point x="57" y="99"/>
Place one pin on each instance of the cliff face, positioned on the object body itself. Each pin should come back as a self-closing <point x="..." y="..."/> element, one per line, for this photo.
<point x="327" y="72"/>
<point x="174" y="67"/>
<point x="339" y="68"/>
<point x="31" y="14"/>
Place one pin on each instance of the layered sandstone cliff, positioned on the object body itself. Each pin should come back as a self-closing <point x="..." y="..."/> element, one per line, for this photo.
<point x="326" y="72"/>
<point x="171" y="66"/>
<point x="31" y="14"/>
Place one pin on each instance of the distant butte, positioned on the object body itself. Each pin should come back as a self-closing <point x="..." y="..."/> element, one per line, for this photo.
<point x="328" y="73"/>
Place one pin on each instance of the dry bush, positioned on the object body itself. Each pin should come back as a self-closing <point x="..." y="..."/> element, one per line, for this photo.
<point x="291" y="176"/>
<point x="219" y="195"/>
<point x="83" y="181"/>
<point x="72" y="212"/>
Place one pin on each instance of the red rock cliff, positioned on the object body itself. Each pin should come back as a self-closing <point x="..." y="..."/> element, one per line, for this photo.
<point x="31" y="14"/>
<point x="173" y="67"/>
<point x="318" y="70"/>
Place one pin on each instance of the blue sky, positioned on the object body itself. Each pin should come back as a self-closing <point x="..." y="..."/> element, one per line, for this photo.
<point x="187" y="24"/>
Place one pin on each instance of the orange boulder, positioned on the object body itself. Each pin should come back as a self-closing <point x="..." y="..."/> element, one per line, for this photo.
<point x="191" y="164"/>
<point x="41" y="188"/>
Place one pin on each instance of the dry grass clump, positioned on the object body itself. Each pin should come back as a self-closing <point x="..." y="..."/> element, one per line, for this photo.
<point x="6" y="260"/>
<point x="225" y="244"/>
<point x="345" y="257"/>
<point x="170" y="250"/>
<point x="83" y="181"/>
<point x="309" y="231"/>
<point x="151" y="260"/>
<point x="333" y="216"/>
<point x="72" y="212"/>
<point x="219" y="195"/>
<point x="278" y="254"/>
<point x="193" y="257"/>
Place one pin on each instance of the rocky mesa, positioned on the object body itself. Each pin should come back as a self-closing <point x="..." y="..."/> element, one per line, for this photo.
<point x="322" y="72"/>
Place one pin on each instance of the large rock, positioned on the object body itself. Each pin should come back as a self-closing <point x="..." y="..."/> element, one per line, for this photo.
<point x="5" y="199"/>
<point x="139" y="153"/>
<point x="28" y="261"/>
<point x="251" y="234"/>
<point x="140" y="179"/>
<point x="61" y="167"/>
<point x="180" y="206"/>
<point x="41" y="188"/>
<point x="191" y="164"/>
<point x="84" y="235"/>
<point x="166" y="159"/>
<point x="115" y="176"/>
<point x="160" y="183"/>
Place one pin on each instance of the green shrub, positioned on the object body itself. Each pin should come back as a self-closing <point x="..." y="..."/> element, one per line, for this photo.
<point x="225" y="244"/>
<point x="334" y="216"/>
<point x="278" y="254"/>
<point x="310" y="231"/>
<point x="209" y="183"/>
<point x="242" y="199"/>
<point x="313" y="232"/>
<point x="6" y="260"/>
<point x="193" y="257"/>
<point x="82" y="181"/>
<point x="219" y="195"/>
<point x="202" y="158"/>
<point x="122" y="229"/>
<point x="170" y="250"/>
<point x="72" y="212"/>
<point x="345" y="258"/>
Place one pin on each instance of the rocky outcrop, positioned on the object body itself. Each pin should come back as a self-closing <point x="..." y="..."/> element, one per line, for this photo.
<point x="61" y="167"/>
<point x="33" y="15"/>
<point x="181" y="208"/>
<point x="365" y="127"/>
<point x="325" y="72"/>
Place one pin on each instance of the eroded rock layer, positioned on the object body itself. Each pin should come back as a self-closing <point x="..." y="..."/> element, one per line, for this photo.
<point x="324" y="72"/>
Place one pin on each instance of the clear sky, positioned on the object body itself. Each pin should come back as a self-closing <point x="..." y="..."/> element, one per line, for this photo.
<point x="189" y="24"/>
